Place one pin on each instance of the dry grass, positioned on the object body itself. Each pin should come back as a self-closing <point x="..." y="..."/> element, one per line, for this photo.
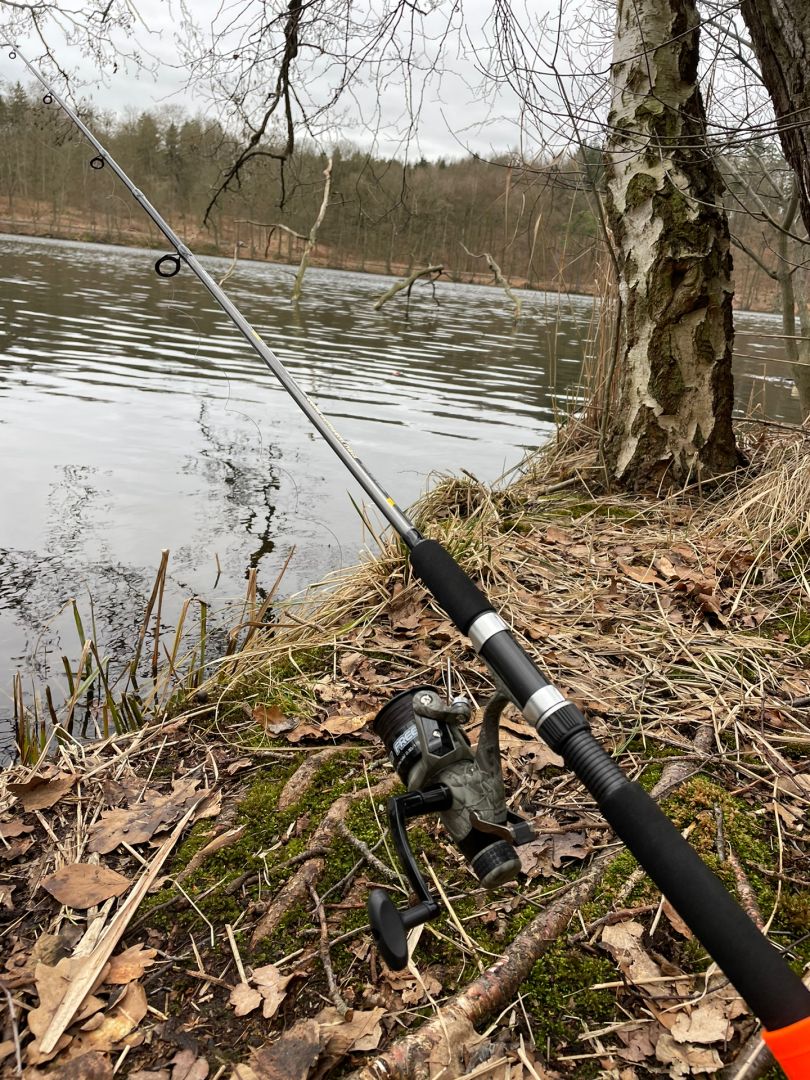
<point x="653" y="614"/>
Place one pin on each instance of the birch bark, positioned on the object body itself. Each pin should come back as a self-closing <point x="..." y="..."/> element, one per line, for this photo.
<point x="672" y="422"/>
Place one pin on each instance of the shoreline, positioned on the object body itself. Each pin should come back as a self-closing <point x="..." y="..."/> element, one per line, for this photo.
<point x="81" y="233"/>
<point x="655" y="616"/>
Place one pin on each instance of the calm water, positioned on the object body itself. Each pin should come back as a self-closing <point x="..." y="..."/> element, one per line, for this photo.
<point x="134" y="418"/>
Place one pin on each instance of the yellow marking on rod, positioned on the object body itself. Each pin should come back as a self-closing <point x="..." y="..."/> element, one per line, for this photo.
<point x="257" y="335"/>
<point x="390" y="501"/>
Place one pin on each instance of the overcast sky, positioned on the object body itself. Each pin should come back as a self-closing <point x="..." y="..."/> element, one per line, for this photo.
<point x="455" y="115"/>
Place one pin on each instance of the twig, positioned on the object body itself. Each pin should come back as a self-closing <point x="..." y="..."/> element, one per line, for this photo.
<point x="341" y="1006"/>
<point x="609" y="920"/>
<point x="15" y="1032"/>
<point x="234" y="949"/>
<point x="376" y="864"/>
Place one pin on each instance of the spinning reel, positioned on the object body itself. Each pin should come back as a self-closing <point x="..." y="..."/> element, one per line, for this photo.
<point x="432" y="754"/>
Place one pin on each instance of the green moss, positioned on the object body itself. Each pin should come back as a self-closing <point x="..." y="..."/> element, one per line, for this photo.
<point x="559" y="992"/>
<point x="265" y="828"/>
<point x="796" y="624"/>
<point x="286" y="938"/>
<point x="641" y="189"/>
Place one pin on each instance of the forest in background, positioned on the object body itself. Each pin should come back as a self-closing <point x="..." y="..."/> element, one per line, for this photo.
<point x="539" y="222"/>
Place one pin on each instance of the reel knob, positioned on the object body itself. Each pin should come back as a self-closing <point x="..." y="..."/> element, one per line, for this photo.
<point x="390" y="926"/>
<point x="388" y="929"/>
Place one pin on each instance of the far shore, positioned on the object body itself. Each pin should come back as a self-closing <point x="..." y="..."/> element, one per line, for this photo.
<point x="72" y="227"/>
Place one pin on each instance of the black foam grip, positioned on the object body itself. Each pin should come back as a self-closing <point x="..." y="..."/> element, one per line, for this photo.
<point x="759" y="973"/>
<point x="442" y="575"/>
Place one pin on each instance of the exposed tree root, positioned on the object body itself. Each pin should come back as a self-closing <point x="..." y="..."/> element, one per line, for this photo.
<point x="297" y="888"/>
<point x="303" y="776"/>
<point x="412" y="1056"/>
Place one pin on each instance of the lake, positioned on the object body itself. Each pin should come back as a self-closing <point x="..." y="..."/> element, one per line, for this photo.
<point x="133" y="417"/>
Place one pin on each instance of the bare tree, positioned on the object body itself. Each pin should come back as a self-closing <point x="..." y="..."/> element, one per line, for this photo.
<point x="780" y="38"/>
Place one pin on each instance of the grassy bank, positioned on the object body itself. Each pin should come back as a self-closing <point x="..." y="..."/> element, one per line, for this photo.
<point x="679" y="625"/>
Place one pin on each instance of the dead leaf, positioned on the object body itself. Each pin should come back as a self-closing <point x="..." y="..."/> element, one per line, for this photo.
<point x="535" y="857"/>
<point x="797" y="784"/>
<point x="138" y="823"/>
<point x="41" y="792"/>
<point x="237" y="766"/>
<point x="571" y="845"/>
<point x="122" y="1019"/>
<point x="5" y="896"/>
<point x="623" y="942"/>
<point x="686" y="1060"/>
<point x="638" y="1041"/>
<point x="327" y="691"/>
<point x="290" y="1058"/>
<point x="427" y="988"/>
<point x="14" y="850"/>
<point x="244" y="999"/>
<point x="129" y="964"/>
<point x="349" y="662"/>
<point x="52" y="985"/>
<point x="34" y="1056"/>
<point x="665" y="567"/>
<point x="272" y="986"/>
<point x="15" y="827"/>
<point x="149" y="1074"/>
<point x="676" y="922"/>
<point x="187" y="1066"/>
<point x="347" y="1036"/>
<point x="272" y="720"/>
<point x="305" y="731"/>
<point x="90" y="1066"/>
<point x="83" y="885"/>
<point x="541" y="757"/>
<point x="707" y="1023"/>
<point x="645" y="575"/>
<point x="555" y="535"/>
<point x="347" y="725"/>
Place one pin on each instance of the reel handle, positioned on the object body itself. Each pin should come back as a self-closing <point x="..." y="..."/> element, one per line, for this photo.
<point x="389" y="924"/>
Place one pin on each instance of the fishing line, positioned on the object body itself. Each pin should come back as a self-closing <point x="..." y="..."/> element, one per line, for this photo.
<point x="425" y="738"/>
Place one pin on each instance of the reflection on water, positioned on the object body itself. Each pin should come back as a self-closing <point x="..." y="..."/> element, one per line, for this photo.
<point x="133" y="417"/>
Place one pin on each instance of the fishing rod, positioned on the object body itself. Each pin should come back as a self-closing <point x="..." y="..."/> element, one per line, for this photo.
<point x="424" y="737"/>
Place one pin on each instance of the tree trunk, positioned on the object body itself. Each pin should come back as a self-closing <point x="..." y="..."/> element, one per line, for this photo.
<point x="672" y="422"/>
<point x="801" y="367"/>
<point x="780" y="36"/>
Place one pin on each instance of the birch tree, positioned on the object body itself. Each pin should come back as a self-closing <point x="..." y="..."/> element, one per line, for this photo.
<point x="675" y="389"/>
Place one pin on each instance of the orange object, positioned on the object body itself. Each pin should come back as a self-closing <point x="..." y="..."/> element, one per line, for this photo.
<point x="791" y="1048"/>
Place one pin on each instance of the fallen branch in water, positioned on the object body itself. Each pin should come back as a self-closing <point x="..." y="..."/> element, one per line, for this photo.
<point x="499" y="278"/>
<point x="429" y="272"/>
